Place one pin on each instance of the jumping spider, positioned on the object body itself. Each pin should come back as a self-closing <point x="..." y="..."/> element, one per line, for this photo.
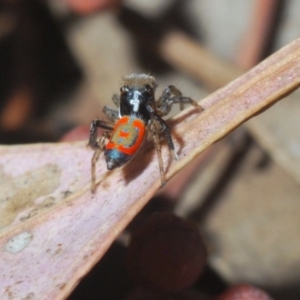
<point x="126" y="128"/>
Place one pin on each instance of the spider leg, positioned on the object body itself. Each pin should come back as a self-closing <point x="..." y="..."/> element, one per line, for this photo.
<point x="98" y="145"/>
<point x="165" y="128"/>
<point x="98" y="150"/>
<point x="93" y="131"/>
<point x="116" y="100"/>
<point x="111" y="114"/>
<point x="170" y="96"/>
<point x="153" y="129"/>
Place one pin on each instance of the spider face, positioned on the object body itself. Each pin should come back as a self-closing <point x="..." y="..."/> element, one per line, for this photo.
<point x="135" y="101"/>
<point x="137" y="112"/>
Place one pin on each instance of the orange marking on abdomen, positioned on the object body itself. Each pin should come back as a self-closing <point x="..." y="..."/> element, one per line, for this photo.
<point x="124" y="134"/>
<point x="128" y="135"/>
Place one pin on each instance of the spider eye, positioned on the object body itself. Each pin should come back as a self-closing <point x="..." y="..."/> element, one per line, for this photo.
<point x="148" y="89"/>
<point x="124" y="89"/>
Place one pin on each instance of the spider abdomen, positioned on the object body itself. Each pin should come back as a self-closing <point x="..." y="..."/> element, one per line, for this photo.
<point x="126" y="139"/>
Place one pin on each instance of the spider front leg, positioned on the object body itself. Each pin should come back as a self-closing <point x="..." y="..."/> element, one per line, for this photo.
<point x="111" y="114"/>
<point x="155" y="135"/>
<point x="98" y="145"/>
<point x="116" y="100"/>
<point x="164" y="127"/>
<point x="166" y="130"/>
<point x="155" y="120"/>
<point x="170" y="96"/>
